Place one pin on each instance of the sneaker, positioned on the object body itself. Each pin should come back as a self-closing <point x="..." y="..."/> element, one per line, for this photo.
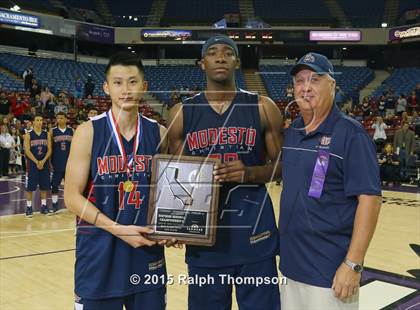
<point x="55" y="207"/>
<point x="45" y="210"/>
<point x="29" y="212"/>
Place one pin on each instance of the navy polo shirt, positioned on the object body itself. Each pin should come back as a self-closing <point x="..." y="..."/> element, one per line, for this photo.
<point x="315" y="233"/>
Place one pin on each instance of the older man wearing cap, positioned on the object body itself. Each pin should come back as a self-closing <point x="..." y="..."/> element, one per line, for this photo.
<point x="243" y="130"/>
<point x="331" y="196"/>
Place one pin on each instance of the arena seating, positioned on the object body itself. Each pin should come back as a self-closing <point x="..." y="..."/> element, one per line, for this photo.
<point x="407" y="5"/>
<point x="61" y="74"/>
<point x="197" y="12"/>
<point x="122" y="8"/>
<point x="350" y="79"/>
<point x="82" y="4"/>
<point x="291" y="11"/>
<point x="164" y="79"/>
<point x="402" y="81"/>
<point x="364" y="13"/>
<point x="55" y="73"/>
<point x="10" y="83"/>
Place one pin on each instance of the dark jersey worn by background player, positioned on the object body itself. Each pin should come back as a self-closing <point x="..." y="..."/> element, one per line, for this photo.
<point x="246" y="230"/>
<point x="39" y="148"/>
<point x="61" y="147"/>
<point x="105" y="265"/>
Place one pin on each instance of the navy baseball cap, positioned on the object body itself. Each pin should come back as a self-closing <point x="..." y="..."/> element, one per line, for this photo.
<point x="219" y="39"/>
<point x="315" y="62"/>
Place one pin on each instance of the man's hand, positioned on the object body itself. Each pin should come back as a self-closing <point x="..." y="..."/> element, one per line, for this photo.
<point x="136" y="236"/>
<point x="346" y="282"/>
<point x="233" y="171"/>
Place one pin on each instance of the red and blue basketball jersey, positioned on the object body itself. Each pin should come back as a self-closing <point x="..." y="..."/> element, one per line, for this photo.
<point x="246" y="230"/>
<point x="61" y="147"/>
<point x="38" y="145"/>
<point x="106" y="266"/>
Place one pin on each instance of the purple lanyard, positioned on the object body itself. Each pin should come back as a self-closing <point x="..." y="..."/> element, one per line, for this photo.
<point x="320" y="171"/>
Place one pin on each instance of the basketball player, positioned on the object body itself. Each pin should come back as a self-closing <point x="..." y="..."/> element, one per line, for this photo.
<point x="37" y="144"/>
<point x="244" y="131"/>
<point x="61" y="140"/>
<point x="107" y="187"/>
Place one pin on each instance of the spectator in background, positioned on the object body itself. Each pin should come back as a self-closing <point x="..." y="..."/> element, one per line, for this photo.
<point x="38" y="105"/>
<point x="92" y="112"/>
<point x="19" y="106"/>
<point x="6" y="143"/>
<point x="46" y="96"/>
<point x="89" y="102"/>
<point x="28" y="76"/>
<point x="81" y="116"/>
<point x="389" y="165"/>
<point x="4" y="104"/>
<point x="417" y="91"/>
<point x="19" y="129"/>
<point x="404" y="117"/>
<point x="35" y="89"/>
<point x="28" y="114"/>
<point x="379" y="136"/>
<point x="340" y="97"/>
<point x="348" y="107"/>
<point x="49" y="109"/>
<point x="28" y="127"/>
<point x="89" y="86"/>
<point x="404" y="143"/>
<point x="381" y="106"/>
<point x="16" y="152"/>
<point x="401" y="105"/>
<point x="175" y="98"/>
<point x="61" y="107"/>
<point x="289" y="93"/>
<point x="366" y="108"/>
<point x="415" y="122"/>
<point x="62" y="94"/>
<point x="390" y="104"/>
<point x="78" y="87"/>
<point x="4" y="120"/>
<point x="287" y="122"/>
<point x="412" y="102"/>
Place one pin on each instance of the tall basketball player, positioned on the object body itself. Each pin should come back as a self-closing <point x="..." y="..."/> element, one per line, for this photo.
<point x="37" y="145"/>
<point x="244" y="131"/>
<point x="107" y="187"/>
<point x="61" y="140"/>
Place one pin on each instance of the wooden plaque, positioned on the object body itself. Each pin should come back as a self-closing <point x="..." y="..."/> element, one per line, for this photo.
<point x="184" y="198"/>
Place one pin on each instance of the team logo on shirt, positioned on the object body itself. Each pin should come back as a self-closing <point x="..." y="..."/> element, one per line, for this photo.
<point x="325" y="141"/>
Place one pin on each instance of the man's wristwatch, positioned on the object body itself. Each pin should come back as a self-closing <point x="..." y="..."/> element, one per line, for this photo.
<point x="354" y="266"/>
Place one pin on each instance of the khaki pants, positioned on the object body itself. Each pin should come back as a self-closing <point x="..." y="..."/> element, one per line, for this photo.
<point x="297" y="295"/>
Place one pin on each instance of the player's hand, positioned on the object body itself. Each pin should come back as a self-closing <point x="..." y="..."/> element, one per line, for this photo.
<point x="136" y="236"/>
<point x="41" y="164"/>
<point x="346" y="282"/>
<point x="233" y="171"/>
